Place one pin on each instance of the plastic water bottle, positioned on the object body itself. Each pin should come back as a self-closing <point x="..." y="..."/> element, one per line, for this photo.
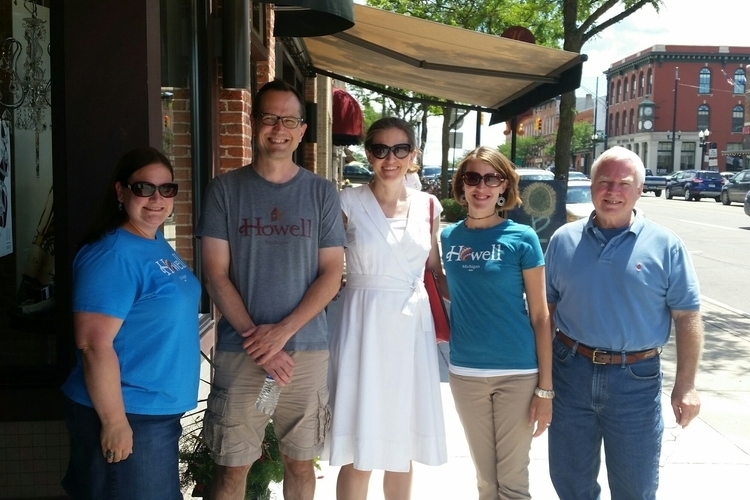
<point x="269" y="396"/>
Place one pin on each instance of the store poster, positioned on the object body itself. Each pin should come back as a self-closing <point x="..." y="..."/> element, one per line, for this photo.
<point x="6" y="219"/>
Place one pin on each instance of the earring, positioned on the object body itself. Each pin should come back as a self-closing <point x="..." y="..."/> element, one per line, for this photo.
<point x="462" y="198"/>
<point x="501" y="200"/>
<point x="119" y="206"/>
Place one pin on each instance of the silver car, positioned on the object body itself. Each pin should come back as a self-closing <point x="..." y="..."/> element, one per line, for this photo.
<point x="735" y="189"/>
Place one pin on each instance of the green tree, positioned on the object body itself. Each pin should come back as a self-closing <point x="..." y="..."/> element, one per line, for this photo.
<point x="582" y="132"/>
<point x="582" y="20"/>
<point x="527" y="148"/>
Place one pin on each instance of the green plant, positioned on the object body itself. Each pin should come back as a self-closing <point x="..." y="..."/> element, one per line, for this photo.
<point x="452" y="210"/>
<point x="198" y="467"/>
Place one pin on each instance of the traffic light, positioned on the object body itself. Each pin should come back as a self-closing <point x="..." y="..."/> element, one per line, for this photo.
<point x="538" y="124"/>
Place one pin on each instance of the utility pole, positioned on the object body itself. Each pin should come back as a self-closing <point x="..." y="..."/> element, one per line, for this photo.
<point x="674" y="115"/>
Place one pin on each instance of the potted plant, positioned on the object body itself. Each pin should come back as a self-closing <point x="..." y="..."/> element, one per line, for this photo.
<point x="198" y="469"/>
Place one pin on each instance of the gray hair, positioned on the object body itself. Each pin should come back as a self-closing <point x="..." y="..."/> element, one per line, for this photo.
<point x="619" y="153"/>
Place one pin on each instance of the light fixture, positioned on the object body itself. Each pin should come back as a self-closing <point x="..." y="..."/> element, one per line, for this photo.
<point x="30" y="93"/>
<point x="703" y="137"/>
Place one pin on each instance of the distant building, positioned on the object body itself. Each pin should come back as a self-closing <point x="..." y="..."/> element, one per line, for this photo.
<point x="710" y="85"/>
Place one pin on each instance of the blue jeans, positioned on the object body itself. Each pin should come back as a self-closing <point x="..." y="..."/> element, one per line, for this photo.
<point x="150" y="473"/>
<point x="617" y="404"/>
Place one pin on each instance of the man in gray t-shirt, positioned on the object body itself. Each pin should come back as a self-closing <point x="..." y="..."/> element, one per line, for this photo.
<point x="272" y="243"/>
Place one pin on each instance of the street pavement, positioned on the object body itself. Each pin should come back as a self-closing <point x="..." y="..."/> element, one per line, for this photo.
<point x="708" y="459"/>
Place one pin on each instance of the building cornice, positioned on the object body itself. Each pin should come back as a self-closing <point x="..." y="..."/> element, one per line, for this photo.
<point x="687" y="56"/>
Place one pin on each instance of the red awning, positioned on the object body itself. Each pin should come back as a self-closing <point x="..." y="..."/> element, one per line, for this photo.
<point x="348" y="122"/>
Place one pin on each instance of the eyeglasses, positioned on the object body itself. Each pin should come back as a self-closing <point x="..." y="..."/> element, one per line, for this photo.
<point x="288" y="121"/>
<point x="146" y="189"/>
<point x="400" y="151"/>
<point x="490" y="180"/>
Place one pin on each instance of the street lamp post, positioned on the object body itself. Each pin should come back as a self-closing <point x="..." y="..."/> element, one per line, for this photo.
<point x="597" y="137"/>
<point x="703" y="137"/>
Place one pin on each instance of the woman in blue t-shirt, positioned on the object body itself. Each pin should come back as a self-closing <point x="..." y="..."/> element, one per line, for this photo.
<point x="135" y="306"/>
<point x="500" y="351"/>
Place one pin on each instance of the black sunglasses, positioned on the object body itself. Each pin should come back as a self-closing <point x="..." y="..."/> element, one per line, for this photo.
<point x="400" y="151"/>
<point x="490" y="180"/>
<point x="146" y="189"/>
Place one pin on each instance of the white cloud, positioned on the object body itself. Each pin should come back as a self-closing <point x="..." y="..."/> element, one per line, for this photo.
<point x="679" y="22"/>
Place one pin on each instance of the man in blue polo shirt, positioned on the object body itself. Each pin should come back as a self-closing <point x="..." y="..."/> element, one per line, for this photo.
<point x="615" y="282"/>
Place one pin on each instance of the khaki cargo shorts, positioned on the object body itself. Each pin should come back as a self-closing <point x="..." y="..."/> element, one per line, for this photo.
<point x="234" y="429"/>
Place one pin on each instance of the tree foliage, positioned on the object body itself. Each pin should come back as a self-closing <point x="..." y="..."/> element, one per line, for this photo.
<point x="582" y="132"/>
<point x="527" y="148"/>
<point x="582" y="20"/>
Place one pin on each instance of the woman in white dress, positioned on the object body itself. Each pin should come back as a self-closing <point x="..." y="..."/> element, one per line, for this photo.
<point x="384" y="380"/>
<point x="411" y="179"/>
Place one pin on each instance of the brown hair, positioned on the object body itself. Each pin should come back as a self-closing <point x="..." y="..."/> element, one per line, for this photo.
<point x="387" y="124"/>
<point x="110" y="216"/>
<point x="502" y="166"/>
<point x="278" y="86"/>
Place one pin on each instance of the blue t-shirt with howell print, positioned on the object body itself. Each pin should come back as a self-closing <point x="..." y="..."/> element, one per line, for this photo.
<point x="490" y="326"/>
<point x="274" y="233"/>
<point x="145" y="283"/>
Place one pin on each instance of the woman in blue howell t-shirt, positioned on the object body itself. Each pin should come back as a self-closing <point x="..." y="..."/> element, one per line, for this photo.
<point x="500" y="353"/>
<point x="135" y="306"/>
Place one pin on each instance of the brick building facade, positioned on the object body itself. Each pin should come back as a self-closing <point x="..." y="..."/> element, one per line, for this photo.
<point x="660" y="98"/>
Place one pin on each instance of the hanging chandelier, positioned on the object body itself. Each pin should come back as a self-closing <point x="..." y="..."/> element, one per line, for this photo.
<point x="28" y="94"/>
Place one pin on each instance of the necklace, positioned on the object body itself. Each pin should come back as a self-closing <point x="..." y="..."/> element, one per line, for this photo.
<point x="480" y="218"/>
<point x="138" y="230"/>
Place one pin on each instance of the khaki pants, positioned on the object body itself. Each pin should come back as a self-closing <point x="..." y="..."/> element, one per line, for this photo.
<point x="234" y="429"/>
<point x="495" y="415"/>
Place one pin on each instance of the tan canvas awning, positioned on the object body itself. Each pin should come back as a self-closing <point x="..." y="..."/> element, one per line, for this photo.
<point x="499" y="74"/>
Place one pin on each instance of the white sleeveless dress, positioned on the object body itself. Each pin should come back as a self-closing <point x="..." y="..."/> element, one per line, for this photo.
<point x="383" y="377"/>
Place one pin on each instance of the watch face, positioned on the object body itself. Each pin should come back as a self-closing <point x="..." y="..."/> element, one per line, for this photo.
<point x="647" y="125"/>
<point x="648" y="111"/>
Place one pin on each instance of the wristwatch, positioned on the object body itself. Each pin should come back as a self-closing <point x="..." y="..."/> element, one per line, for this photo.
<point x="544" y="394"/>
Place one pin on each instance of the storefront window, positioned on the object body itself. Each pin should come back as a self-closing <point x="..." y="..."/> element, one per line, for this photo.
<point x="28" y="333"/>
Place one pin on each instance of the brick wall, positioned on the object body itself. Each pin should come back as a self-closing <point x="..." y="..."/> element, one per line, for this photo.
<point x="178" y="149"/>
<point x="235" y="131"/>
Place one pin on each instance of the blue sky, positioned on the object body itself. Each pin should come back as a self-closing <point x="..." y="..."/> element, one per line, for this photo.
<point x="679" y="22"/>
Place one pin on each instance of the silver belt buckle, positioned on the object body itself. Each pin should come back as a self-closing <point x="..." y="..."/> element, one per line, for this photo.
<point x="593" y="357"/>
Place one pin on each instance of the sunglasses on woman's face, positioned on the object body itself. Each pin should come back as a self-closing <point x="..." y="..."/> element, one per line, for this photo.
<point x="400" y="151"/>
<point x="490" y="180"/>
<point x="146" y="189"/>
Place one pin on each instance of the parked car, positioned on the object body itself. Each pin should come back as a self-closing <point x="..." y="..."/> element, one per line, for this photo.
<point x="578" y="200"/>
<point x="534" y="174"/>
<point x="654" y="183"/>
<point x="736" y="188"/>
<point x="747" y="203"/>
<point x="576" y="175"/>
<point x="728" y="175"/>
<point x="695" y="184"/>
<point x="356" y="172"/>
<point x="430" y="172"/>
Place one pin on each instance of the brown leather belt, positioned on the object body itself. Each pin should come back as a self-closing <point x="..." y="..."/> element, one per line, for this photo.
<point x="603" y="357"/>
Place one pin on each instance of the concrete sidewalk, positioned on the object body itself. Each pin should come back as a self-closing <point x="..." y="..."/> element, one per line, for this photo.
<point x="708" y="459"/>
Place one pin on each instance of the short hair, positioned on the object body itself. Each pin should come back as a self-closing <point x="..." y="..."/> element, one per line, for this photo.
<point x="502" y="166"/>
<point x="388" y="123"/>
<point x="109" y="216"/>
<point x="278" y="86"/>
<point x="621" y="154"/>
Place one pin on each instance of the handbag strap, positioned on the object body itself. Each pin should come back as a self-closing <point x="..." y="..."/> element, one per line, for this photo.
<point x="431" y="223"/>
<point x="431" y="219"/>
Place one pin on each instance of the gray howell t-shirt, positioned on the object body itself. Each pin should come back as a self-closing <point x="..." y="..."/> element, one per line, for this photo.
<point x="274" y="233"/>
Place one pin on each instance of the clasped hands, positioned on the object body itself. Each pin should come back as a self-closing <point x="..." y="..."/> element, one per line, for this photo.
<point x="264" y="343"/>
